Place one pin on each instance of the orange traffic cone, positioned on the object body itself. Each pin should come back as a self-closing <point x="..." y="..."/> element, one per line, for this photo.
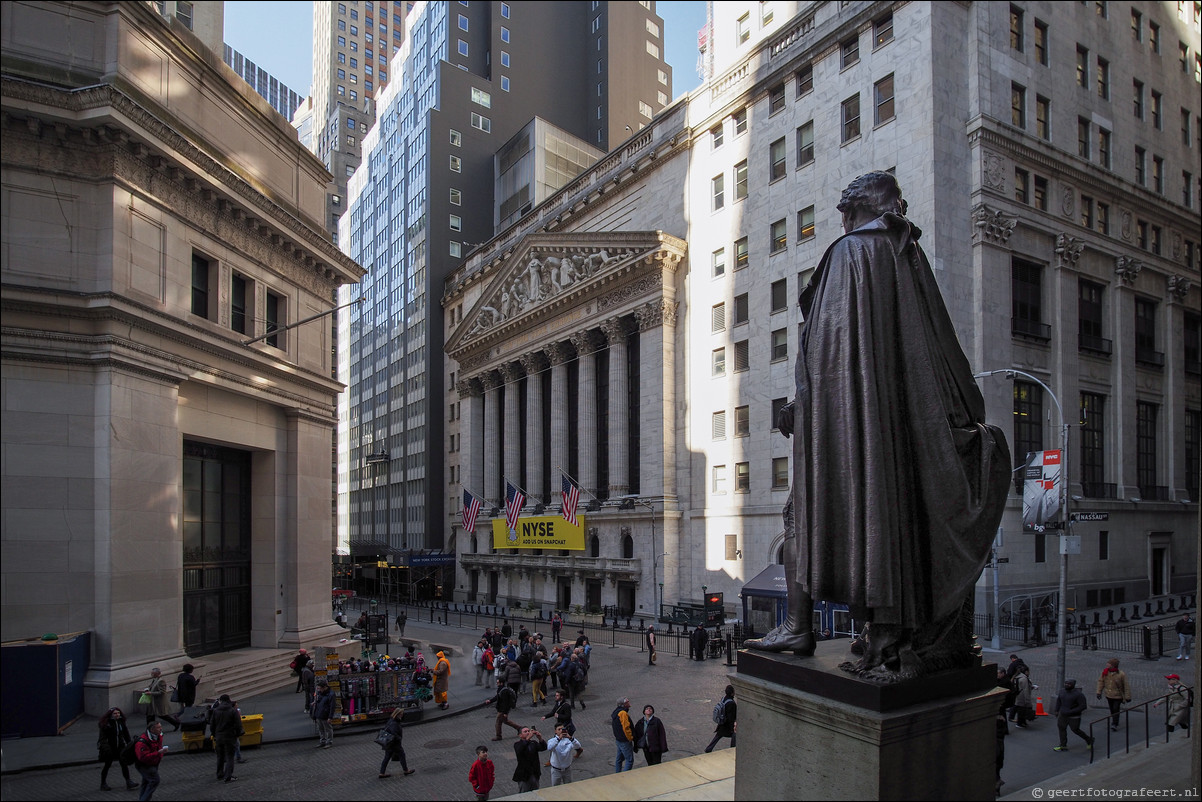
<point x="1039" y="711"/>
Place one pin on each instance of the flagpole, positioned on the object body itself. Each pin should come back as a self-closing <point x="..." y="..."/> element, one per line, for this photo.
<point x="582" y="487"/>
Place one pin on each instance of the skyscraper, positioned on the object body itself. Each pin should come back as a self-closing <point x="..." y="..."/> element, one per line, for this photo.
<point x="491" y="108"/>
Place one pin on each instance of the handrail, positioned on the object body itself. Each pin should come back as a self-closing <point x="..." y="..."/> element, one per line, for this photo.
<point x="1125" y="713"/>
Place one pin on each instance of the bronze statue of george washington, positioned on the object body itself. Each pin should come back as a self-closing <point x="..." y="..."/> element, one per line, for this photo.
<point x="898" y="482"/>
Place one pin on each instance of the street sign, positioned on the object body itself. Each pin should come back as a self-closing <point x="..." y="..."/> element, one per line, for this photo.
<point x="1003" y="559"/>
<point x="1090" y="516"/>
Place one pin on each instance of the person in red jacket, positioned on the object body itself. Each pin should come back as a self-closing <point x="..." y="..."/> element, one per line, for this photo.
<point x="148" y="751"/>
<point x="481" y="774"/>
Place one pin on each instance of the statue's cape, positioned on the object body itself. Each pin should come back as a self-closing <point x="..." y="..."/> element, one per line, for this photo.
<point x="899" y="485"/>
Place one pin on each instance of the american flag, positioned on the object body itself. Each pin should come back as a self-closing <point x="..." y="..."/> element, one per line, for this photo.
<point x="471" y="508"/>
<point x="571" y="497"/>
<point x="514" y="499"/>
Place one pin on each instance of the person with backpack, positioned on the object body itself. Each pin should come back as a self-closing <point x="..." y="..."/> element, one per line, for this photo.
<point x="506" y="700"/>
<point x="148" y="751"/>
<point x="574" y="680"/>
<point x="562" y="711"/>
<point x="725" y="714"/>
<point x="538" y="675"/>
<point x="114" y="736"/>
<point x="513" y="676"/>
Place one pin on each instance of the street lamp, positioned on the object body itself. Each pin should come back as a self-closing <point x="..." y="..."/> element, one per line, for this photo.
<point x="627" y="503"/>
<point x="1062" y="613"/>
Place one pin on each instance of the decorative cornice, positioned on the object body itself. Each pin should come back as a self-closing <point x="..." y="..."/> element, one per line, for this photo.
<point x="616" y="330"/>
<point x="657" y="313"/>
<point x="1127" y="268"/>
<point x="1068" y="250"/>
<point x="1178" y="287"/>
<point x="993" y="225"/>
<point x="512" y="372"/>
<point x="533" y="362"/>
<point x="468" y="388"/>
<point x="559" y="353"/>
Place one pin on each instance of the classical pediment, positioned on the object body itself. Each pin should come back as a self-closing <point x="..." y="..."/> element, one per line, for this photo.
<point x="547" y="274"/>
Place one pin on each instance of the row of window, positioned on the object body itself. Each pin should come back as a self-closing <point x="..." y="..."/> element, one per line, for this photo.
<point x="205" y="296"/>
<point x="742" y="474"/>
<point x="1139" y="32"/>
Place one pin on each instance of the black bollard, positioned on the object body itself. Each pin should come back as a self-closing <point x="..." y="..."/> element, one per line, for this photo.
<point x="1123" y="615"/>
<point x="628" y="622"/>
<point x="1148" y="609"/>
<point x="1110" y="618"/>
<point x="1097" y="618"/>
<point x="1084" y="624"/>
<point x="1160" y="606"/>
<point x="1147" y="633"/>
<point x="1172" y="606"/>
<point x="1085" y="638"/>
<point x="1135" y="616"/>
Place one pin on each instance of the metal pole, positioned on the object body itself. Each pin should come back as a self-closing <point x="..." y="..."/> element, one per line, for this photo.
<point x="997" y="608"/>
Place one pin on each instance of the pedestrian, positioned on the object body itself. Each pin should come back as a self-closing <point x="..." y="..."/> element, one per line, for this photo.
<point x="160" y="702"/>
<point x="576" y="677"/>
<point x="1004" y="682"/>
<point x="513" y="675"/>
<point x="148" y="753"/>
<point x="697" y="640"/>
<point x="999" y="755"/>
<point x="1016" y="665"/>
<point x="563" y="749"/>
<point x="442" y="679"/>
<point x="114" y="736"/>
<point x="227" y="729"/>
<point x="185" y="688"/>
<point x="650" y="645"/>
<point x="650" y="736"/>
<point x="323" y="713"/>
<point x="482" y="774"/>
<point x="395" y="749"/>
<point x="1179" y="699"/>
<point x="556" y="626"/>
<point x="506" y="629"/>
<point x="401" y="620"/>
<point x="623" y="736"/>
<point x="1024" y="707"/>
<point x="478" y="660"/>
<point x="554" y="660"/>
<point x="298" y="664"/>
<point x="1113" y="683"/>
<point x="529" y="770"/>
<point x="309" y="682"/>
<point x="506" y="700"/>
<point x="1069" y="705"/>
<point x="726" y="727"/>
<point x="1185" y="636"/>
<point x="538" y="676"/>
<point x="562" y="711"/>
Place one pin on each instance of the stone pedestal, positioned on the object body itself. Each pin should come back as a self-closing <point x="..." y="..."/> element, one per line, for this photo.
<point x="807" y="730"/>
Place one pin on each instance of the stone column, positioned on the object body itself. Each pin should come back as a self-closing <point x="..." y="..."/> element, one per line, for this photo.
<point x="491" y="381"/>
<point x="471" y="434"/>
<point x="586" y="343"/>
<point x="512" y="459"/>
<point x="536" y="472"/>
<point x="615" y="331"/>
<point x="558" y="355"/>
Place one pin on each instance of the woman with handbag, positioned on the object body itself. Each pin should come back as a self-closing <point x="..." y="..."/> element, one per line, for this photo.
<point x="185" y="689"/>
<point x="390" y="739"/>
<point x="114" y="734"/>
<point x="159" y="705"/>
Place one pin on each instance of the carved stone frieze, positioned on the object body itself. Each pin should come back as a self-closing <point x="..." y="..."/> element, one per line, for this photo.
<point x="1068" y="250"/>
<point x="1126" y="230"/>
<point x="1179" y="287"/>
<point x="993" y="170"/>
<point x="1068" y="201"/>
<point x="654" y="314"/>
<point x="623" y="295"/>
<point x="474" y="361"/>
<point x="1127" y="268"/>
<point x="993" y="225"/>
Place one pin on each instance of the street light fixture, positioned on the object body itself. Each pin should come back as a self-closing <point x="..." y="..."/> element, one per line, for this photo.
<point x="1062" y="613"/>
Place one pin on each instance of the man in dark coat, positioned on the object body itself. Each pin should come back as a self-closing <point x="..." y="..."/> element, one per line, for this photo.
<point x="697" y="640"/>
<point x="898" y="484"/>
<point x="528" y="771"/>
<point x="227" y="728"/>
<point x="1068" y="708"/>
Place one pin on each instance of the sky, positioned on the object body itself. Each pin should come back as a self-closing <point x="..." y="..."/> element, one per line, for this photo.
<point x="278" y="36"/>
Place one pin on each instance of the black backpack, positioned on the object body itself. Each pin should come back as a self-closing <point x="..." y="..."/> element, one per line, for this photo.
<point x="128" y="754"/>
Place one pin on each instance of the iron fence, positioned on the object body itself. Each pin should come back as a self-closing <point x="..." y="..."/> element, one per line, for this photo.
<point x="1144" y="729"/>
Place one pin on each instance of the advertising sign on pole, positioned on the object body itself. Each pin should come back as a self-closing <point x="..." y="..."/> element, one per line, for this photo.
<point x="1041" y="491"/>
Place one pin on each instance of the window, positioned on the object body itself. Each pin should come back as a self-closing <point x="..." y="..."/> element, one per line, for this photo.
<point x="776" y="160"/>
<point x="1041" y="42"/>
<point x="1145" y="449"/>
<point x="504" y="58"/>
<point x="1082" y="66"/>
<point x="1183" y="56"/>
<point x="200" y="285"/>
<point x="805" y="144"/>
<point x="742" y="477"/>
<point x="1153" y="36"/>
<point x="1016" y="29"/>
<point x="718" y="362"/>
<point x="1022" y="185"/>
<point x="1093" y="464"/>
<point x="719" y="479"/>
<point x="742" y="356"/>
<point x="1145" y="333"/>
<point x="1083" y="134"/>
<point x="778" y="296"/>
<point x="805" y="223"/>
<point x="1137" y="25"/>
<point x="1028" y="424"/>
<point x="849" y="52"/>
<point x="780" y="473"/>
<point x="505" y="10"/>
<point x="1026" y="289"/>
<point x="455" y="222"/>
<point x="1186" y="139"/>
<point x="718" y="425"/>
<point x="1086" y="211"/>
<point x="1141" y="166"/>
<point x="1100" y="8"/>
<point x="342" y="58"/>
<point x="482" y="98"/>
<point x="238" y="285"/>
<point x="741" y="180"/>
<point x="1157" y="108"/>
<point x="1041" y="193"/>
<point x="1187" y="189"/>
<point x="850" y="115"/>
<point x="882" y="30"/>
<point x="780" y="344"/>
<point x="741" y="254"/>
<point x="740" y="118"/>
<point x="883" y="92"/>
<point x="1137" y="92"/>
<point x="716" y="136"/>
<point x="462" y="23"/>
<point x="1043" y="117"/>
<point x="1193" y="445"/>
<point x="1141" y="234"/>
<point x="275" y="317"/>
<point x="1104" y="147"/>
<point x="341" y="74"/>
<point x="183" y="12"/>
<point x="1158" y="174"/>
<point x="456" y="197"/>
<point x="718" y="262"/>
<point x="1156" y="240"/>
<point x="742" y="29"/>
<point x="482" y="123"/>
<point x="1103" y="545"/>
<point x="742" y="421"/>
<point x="1103" y="78"/>
<point x="455" y="249"/>
<point x="1089" y="318"/>
<point x="456" y="138"/>
<point x="456" y="164"/>
<point x="1192" y="343"/>
<point x="778" y="404"/>
<point x="718" y="191"/>
<point x="1018" y="105"/>
<point x="504" y="34"/>
<point x="718" y="318"/>
<point x="780" y="236"/>
<point x="805" y="80"/>
<point x="776" y="99"/>
<point x="740" y="316"/>
<point x="350" y="140"/>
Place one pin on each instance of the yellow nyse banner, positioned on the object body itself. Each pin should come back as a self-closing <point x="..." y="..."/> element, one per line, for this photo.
<point x="545" y="532"/>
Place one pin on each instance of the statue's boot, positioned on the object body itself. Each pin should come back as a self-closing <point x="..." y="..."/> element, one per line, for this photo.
<point x="794" y="634"/>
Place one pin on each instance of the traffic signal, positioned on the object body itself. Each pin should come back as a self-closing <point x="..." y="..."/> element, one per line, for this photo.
<point x="714" y="611"/>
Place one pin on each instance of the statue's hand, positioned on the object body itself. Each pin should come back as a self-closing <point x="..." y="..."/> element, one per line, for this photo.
<point x="784" y="419"/>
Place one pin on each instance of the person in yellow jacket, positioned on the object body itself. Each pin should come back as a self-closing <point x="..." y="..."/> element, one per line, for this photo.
<point x="1113" y="683"/>
<point x="442" y="680"/>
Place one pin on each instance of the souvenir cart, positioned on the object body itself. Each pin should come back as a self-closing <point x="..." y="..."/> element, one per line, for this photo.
<point x="362" y="694"/>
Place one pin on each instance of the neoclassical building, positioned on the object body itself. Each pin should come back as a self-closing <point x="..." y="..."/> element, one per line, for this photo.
<point x="168" y="404"/>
